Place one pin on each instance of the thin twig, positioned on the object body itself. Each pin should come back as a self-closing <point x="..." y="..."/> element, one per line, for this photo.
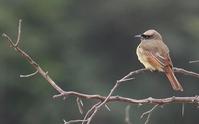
<point x="127" y="115"/>
<point x="148" y="113"/>
<point x="80" y="105"/>
<point x="183" y="109"/>
<point x="9" y="40"/>
<point x="90" y="110"/>
<point x="186" y="72"/>
<point x="194" y="61"/>
<point x="74" y="121"/>
<point x="19" y="34"/>
<point x="97" y="108"/>
<point x="29" y="75"/>
<point x="107" y="107"/>
<point x="125" y="78"/>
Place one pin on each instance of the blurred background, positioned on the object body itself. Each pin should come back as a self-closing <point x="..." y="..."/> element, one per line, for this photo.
<point x="86" y="45"/>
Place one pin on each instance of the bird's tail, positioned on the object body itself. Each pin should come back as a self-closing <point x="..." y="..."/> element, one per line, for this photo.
<point x="173" y="80"/>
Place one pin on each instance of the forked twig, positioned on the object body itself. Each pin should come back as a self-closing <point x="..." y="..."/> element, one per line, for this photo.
<point x="29" y="59"/>
<point x="148" y="113"/>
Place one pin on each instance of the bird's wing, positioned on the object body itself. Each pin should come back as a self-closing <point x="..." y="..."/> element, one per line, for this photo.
<point x="158" y="60"/>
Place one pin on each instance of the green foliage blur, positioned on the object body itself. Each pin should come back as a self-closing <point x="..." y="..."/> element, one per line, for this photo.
<point x="86" y="45"/>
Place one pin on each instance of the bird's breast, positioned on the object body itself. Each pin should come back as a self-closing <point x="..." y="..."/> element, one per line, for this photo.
<point x="145" y="60"/>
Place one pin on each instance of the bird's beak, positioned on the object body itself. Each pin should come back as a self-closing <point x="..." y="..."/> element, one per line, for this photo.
<point x="139" y="36"/>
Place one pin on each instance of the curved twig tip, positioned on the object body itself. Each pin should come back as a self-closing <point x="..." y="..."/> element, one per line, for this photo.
<point x="3" y="35"/>
<point x="194" y="61"/>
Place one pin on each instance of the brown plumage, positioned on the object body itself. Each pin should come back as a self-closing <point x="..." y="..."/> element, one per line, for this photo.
<point x="154" y="55"/>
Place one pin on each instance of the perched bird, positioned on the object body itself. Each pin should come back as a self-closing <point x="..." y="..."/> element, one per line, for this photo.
<point x="153" y="53"/>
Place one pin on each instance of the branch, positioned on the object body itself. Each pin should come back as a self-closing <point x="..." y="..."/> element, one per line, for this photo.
<point x="102" y="100"/>
<point x="127" y="115"/>
<point x="150" y="100"/>
<point x="28" y="75"/>
<point x="15" y="46"/>
<point x="19" y="34"/>
<point x="185" y="72"/>
<point x="74" y="121"/>
<point x="148" y="113"/>
<point x="194" y="61"/>
<point x="80" y="105"/>
<point x="98" y="107"/>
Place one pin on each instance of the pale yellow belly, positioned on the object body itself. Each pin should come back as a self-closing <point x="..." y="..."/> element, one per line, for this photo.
<point x="144" y="60"/>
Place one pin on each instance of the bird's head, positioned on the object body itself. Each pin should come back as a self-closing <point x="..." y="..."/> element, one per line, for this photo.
<point x="150" y="34"/>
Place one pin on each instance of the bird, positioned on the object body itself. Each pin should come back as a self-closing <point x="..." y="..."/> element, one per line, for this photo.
<point x="153" y="53"/>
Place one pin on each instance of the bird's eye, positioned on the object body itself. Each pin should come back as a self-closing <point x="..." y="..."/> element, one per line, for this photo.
<point x="146" y="36"/>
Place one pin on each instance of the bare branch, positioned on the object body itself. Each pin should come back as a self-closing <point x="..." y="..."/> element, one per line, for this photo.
<point x="97" y="108"/>
<point x="108" y="98"/>
<point x="148" y="113"/>
<point x="29" y="75"/>
<point x="150" y="100"/>
<point x="182" y="110"/>
<point x="107" y="107"/>
<point x="30" y="60"/>
<point x="9" y="40"/>
<point x="74" y="121"/>
<point x="19" y="34"/>
<point x="80" y="105"/>
<point x="102" y="100"/>
<point x="125" y="78"/>
<point x="185" y="72"/>
<point x="127" y="115"/>
<point x="194" y="61"/>
<point x="90" y="111"/>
